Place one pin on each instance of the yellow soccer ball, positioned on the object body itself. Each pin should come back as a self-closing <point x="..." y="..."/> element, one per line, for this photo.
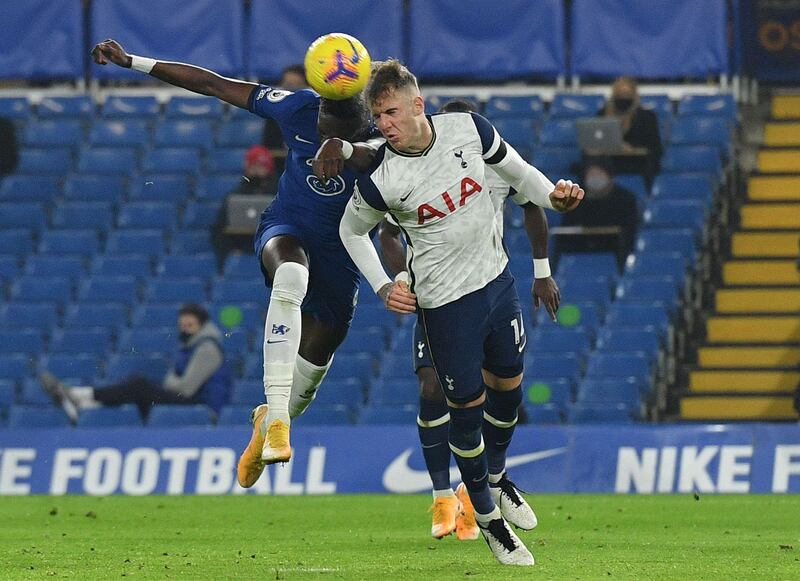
<point x="337" y="66"/>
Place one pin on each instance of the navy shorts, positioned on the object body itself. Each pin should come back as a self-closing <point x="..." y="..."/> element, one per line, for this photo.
<point x="480" y="330"/>
<point x="333" y="278"/>
<point x="420" y="348"/>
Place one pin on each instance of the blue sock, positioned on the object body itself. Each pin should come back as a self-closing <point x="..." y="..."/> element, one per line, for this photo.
<point x="433" y="425"/>
<point x="500" y="419"/>
<point x="466" y="442"/>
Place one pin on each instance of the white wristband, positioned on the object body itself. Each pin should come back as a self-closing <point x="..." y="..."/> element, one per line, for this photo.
<point x="541" y="268"/>
<point x="347" y="149"/>
<point x="402" y="276"/>
<point x="142" y="64"/>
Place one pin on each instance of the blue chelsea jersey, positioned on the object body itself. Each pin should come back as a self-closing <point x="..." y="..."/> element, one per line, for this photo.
<point x="302" y="198"/>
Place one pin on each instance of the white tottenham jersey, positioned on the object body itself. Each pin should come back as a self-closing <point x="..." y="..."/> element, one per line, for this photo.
<point x="441" y="200"/>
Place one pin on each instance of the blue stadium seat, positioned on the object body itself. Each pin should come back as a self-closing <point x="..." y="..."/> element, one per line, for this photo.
<point x="398" y="365"/>
<point x="189" y="241"/>
<point x="172" y="160"/>
<point x="347" y="392"/>
<point x="30" y="288"/>
<point x="82" y="367"/>
<point x="118" y="161"/>
<point x="226" y="160"/>
<point x="160" y="315"/>
<point x="345" y="366"/>
<point x="599" y="414"/>
<point x="692" y="158"/>
<point x="169" y="289"/>
<point x="69" y="242"/>
<point x="517" y="107"/>
<point x="27" y="188"/>
<point x="15" y="241"/>
<point x="147" y="242"/>
<point x="84" y="216"/>
<point x="70" y="267"/>
<point x="240" y="133"/>
<point x="434" y="102"/>
<point x="638" y="316"/>
<point x="659" y="104"/>
<point x="149" y="340"/>
<point x="683" y="186"/>
<point x="159" y="188"/>
<point x="130" y="107"/>
<point x="30" y="215"/>
<point x="121" y="366"/>
<point x="93" y="341"/>
<point x="25" y="316"/>
<point x="183" y="133"/>
<point x="23" y="341"/>
<point x="587" y="315"/>
<point x="94" y="188"/>
<point x="675" y="214"/>
<point x="216" y="186"/>
<point x="194" y="107"/>
<point x="124" y="416"/>
<point x="634" y="183"/>
<point x="325" y="415"/>
<point x="77" y="107"/>
<point x="608" y="365"/>
<point x="610" y="391"/>
<point x="555" y="160"/>
<point x="657" y="263"/>
<point x="109" y="289"/>
<point x="179" y="416"/>
<point x="573" y="105"/>
<point x="45" y="162"/>
<point x="127" y="265"/>
<point x="200" y="215"/>
<point x="543" y="367"/>
<point x="398" y="389"/>
<point x="555" y="391"/>
<point x="250" y="315"/>
<point x="708" y="106"/>
<point x="26" y="417"/>
<point x="9" y="264"/>
<point x="119" y="133"/>
<point x="248" y="392"/>
<point x="519" y="133"/>
<point x="239" y="291"/>
<point x="373" y="314"/>
<point x="543" y="414"/>
<point x="559" y="132"/>
<point x="643" y="289"/>
<point x="380" y="415"/>
<point x="623" y="340"/>
<point x="555" y="339"/>
<point x="587" y="264"/>
<point x="61" y="133"/>
<point x="8" y="393"/>
<point x="201" y="265"/>
<point x="235" y="415"/>
<point x="582" y="289"/>
<point x="16" y="108"/>
<point x="701" y="130"/>
<point x="241" y="266"/>
<point x="85" y="316"/>
<point x="14" y="366"/>
<point x="33" y="394"/>
<point x="364" y="340"/>
<point x="682" y="240"/>
<point x="160" y="215"/>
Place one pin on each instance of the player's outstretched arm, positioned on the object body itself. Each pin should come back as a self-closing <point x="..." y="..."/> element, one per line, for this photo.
<point x="334" y="154"/>
<point x="190" y="77"/>
<point x="545" y="290"/>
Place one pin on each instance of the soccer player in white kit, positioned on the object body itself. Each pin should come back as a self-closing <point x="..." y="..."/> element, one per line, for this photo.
<point x="429" y="175"/>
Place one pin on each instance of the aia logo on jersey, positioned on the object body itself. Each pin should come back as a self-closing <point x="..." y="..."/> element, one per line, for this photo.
<point x="428" y="212"/>
<point x="334" y="187"/>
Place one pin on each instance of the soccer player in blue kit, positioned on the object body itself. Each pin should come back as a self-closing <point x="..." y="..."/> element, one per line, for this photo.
<point x="314" y="281"/>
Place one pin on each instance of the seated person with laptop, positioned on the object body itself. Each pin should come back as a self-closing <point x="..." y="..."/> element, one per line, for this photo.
<point x="625" y="132"/>
<point x="238" y="217"/>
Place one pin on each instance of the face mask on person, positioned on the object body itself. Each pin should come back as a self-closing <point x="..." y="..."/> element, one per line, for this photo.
<point x="622" y="103"/>
<point x="597" y="182"/>
<point x="184" y="336"/>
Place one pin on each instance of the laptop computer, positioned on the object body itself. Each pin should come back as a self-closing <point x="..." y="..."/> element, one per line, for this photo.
<point x="600" y="135"/>
<point x="244" y="212"/>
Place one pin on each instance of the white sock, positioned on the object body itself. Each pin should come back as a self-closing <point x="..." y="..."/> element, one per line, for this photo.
<point x="282" y="337"/>
<point x="495" y="478"/>
<point x="307" y="379"/>
<point x="443" y="493"/>
<point x="83" y="397"/>
<point x="485" y="518"/>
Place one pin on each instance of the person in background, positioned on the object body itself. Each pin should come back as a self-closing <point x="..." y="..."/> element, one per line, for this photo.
<point x="9" y="153"/>
<point x="198" y="374"/>
<point x="259" y="179"/>
<point x="639" y="131"/>
<point x="606" y="204"/>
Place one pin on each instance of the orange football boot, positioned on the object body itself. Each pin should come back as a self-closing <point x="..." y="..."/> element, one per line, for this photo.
<point x="466" y="526"/>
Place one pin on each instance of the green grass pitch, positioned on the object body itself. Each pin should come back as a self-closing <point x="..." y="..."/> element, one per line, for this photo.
<point x="373" y="537"/>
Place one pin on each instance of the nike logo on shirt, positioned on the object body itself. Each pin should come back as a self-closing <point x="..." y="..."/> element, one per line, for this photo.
<point x="298" y="138"/>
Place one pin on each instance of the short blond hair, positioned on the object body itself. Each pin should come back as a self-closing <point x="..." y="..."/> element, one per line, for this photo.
<point x="387" y="77"/>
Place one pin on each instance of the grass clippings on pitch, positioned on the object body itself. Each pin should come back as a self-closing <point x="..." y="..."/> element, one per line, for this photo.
<point x="368" y="537"/>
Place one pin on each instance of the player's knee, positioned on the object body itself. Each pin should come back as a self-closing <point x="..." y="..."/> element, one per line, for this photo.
<point x="429" y="388"/>
<point x="290" y="283"/>
<point x="498" y="383"/>
<point x="466" y="431"/>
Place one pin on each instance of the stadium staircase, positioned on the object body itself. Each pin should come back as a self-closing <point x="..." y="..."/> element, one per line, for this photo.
<point x="748" y="361"/>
